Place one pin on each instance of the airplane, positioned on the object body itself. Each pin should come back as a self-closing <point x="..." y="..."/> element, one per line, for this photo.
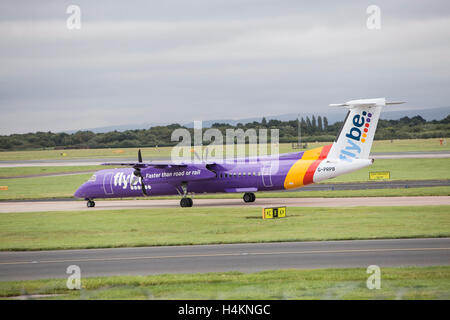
<point x="349" y="152"/>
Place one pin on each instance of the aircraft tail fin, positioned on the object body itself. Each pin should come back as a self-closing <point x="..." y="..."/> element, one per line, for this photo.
<point x="354" y="141"/>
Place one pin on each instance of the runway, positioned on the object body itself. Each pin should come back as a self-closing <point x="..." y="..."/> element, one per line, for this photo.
<point x="36" y="206"/>
<point x="389" y="184"/>
<point x="411" y="155"/>
<point x="229" y="257"/>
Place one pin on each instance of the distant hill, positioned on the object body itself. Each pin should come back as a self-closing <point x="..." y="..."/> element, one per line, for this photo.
<point x="339" y="114"/>
<point x="313" y="129"/>
<point x="333" y="117"/>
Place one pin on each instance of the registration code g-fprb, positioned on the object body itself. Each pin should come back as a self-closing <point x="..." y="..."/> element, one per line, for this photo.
<point x="326" y="169"/>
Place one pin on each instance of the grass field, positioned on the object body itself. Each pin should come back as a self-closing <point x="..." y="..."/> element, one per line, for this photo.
<point x="28" y="171"/>
<point x="378" y="146"/>
<point x="402" y="169"/>
<point x="181" y="226"/>
<point x="42" y="187"/>
<point x="64" y="186"/>
<point x="396" y="283"/>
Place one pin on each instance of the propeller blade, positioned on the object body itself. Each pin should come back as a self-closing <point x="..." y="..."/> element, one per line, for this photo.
<point x="139" y="156"/>
<point x="137" y="173"/>
<point x="144" y="190"/>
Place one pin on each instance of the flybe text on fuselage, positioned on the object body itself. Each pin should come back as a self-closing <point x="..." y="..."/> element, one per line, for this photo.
<point x="125" y="181"/>
<point x="356" y="135"/>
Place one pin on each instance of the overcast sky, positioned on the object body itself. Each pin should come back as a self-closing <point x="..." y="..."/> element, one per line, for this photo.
<point x="178" y="61"/>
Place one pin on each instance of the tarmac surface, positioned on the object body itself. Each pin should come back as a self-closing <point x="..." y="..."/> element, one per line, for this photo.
<point x="36" y="206"/>
<point x="226" y="257"/>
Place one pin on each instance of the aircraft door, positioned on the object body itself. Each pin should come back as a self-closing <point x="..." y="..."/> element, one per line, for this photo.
<point x="107" y="183"/>
<point x="266" y="174"/>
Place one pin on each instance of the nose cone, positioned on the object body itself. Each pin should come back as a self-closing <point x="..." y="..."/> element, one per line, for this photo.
<point x="81" y="192"/>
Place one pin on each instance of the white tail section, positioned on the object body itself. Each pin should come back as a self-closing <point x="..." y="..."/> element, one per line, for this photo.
<point x="356" y="136"/>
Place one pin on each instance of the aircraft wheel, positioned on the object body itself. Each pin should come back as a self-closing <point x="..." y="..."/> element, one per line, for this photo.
<point x="247" y="197"/>
<point x="90" y="204"/>
<point x="186" y="202"/>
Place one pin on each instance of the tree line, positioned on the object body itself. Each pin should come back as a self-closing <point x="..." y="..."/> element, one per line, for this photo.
<point x="312" y="129"/>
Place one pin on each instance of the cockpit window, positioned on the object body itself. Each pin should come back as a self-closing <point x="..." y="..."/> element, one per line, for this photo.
<point x="93" y="178"/>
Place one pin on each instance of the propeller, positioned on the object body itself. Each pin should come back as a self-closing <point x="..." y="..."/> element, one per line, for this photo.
<point x="137" y="173"/>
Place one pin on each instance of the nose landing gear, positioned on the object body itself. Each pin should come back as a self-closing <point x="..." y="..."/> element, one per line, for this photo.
<point x="90" y="203"/>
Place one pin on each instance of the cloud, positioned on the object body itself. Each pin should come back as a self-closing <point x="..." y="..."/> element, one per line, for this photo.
<point x="173" y="62"/>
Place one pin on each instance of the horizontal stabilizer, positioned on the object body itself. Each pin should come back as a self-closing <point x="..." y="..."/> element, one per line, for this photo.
<point x="365" y="103"/>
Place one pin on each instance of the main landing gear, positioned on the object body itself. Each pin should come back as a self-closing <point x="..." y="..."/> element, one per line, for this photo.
<point x="249" y="197"/>
<point x="185" y="201"/>
<point x="90" y="203"/>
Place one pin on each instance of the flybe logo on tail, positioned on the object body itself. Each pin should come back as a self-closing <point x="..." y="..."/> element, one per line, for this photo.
<point x="358" y="133"/>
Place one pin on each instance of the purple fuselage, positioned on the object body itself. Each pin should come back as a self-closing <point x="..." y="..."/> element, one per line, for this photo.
<point x="264" y="174"/>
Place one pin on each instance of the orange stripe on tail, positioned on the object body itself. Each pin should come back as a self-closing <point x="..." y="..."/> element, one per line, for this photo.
<point x="296" y="175"/>
<point x="309" y="175"/>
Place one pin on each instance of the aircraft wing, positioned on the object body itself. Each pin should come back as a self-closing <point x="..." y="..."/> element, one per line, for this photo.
<point x="154" y="164"/>
<point x="145" y="165"/>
